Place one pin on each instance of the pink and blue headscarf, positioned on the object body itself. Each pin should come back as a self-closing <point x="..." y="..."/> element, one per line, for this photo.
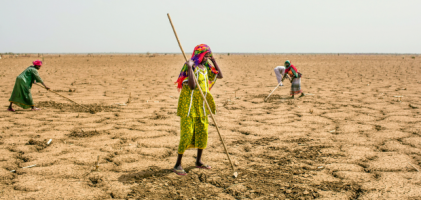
<point x="199" y="52"/>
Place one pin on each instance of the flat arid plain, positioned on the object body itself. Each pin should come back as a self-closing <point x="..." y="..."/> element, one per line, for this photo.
<point x="355" y="135"/>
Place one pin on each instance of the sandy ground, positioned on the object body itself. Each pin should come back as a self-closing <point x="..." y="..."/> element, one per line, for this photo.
<point x="348" y="138"/>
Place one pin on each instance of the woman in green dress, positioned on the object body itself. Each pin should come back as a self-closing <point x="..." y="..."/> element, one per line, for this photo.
<point x="191" y="107"/>
<point x="21" y="95"/>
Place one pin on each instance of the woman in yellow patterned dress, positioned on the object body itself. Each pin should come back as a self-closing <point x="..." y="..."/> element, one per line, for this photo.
<point x="191" y="107"/>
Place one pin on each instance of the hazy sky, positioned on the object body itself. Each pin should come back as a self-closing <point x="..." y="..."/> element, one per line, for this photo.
<point x="264" y="26"/>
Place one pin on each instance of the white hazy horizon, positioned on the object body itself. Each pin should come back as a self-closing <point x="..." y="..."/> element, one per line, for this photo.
<point x="265" y="26"/>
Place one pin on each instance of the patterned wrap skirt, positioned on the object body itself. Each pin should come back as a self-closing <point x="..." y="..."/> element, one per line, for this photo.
<point x="193" y="134"/>
<point x="296" y="86"/>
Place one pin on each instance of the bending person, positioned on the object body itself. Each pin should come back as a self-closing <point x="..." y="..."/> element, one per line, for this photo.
<point x="280" y="72"/>
<point x="21" y="95"/>
<point x="191" y="107"/>
<point x="295" y="78"/>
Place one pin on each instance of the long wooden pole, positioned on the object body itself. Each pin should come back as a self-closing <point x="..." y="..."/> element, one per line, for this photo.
<point x="204" y="99"/>
<point x="272" y="92"/>
<point x="275" y="88"/>
<point x="63" y="96"/>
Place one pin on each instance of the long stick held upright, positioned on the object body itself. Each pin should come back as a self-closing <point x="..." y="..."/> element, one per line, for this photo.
<point x="204" y="99"/>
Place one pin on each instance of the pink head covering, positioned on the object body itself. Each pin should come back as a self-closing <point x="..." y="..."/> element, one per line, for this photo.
<point x="37" y="62"/>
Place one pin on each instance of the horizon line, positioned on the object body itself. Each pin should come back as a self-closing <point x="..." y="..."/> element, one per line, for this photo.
<point x="233" y="53"/>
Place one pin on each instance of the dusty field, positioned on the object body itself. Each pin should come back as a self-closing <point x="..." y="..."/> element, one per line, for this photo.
<point x="349" y="138"/>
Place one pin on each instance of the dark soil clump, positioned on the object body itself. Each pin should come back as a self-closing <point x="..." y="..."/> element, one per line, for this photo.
<point x="81" y="133"/>
<point x="39" y="145"/>
<point x="91" y="108"/>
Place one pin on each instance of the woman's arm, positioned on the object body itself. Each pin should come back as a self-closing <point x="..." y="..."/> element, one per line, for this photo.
<point x="38" y="79"/>
<point x="286" y="76"/>
<point x="46" y="87"/>
<point x="191" y="82"/>
<point x="217" y="67"/>
<point x="36" y="76"/>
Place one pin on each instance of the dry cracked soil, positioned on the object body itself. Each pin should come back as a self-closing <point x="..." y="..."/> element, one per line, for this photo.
<point x="355" y="135"/>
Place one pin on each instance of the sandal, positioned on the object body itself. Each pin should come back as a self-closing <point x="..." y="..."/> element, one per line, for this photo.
<point x="36" y="109"/>
<point x="11" y="109"/>
<point x="203" y="166"/>
<point x="179" y="172"/>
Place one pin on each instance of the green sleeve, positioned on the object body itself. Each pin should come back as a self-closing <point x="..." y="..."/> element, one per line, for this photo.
<point x="211" y="76"/>
<point x="36" y="76"/>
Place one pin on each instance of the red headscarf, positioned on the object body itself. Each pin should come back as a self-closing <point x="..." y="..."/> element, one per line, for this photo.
<point x="37" y="62"/>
